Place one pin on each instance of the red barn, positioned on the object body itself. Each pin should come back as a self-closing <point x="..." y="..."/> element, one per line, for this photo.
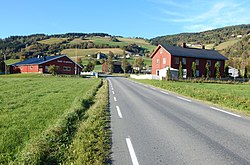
<point x="41" y="64"/>
<point x="171" y="56"/>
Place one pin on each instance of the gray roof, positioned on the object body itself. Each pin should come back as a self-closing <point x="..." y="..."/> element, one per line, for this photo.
<point x="194" y="52"/>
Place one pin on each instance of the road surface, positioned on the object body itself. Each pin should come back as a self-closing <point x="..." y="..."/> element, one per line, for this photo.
<point x="152" y="126"/>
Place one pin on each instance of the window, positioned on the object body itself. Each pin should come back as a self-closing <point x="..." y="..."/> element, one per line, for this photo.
<point x="157" y="72"/>
<point x="31" y="67"/>
<point x="197" y="62"/>
<point x="164" y="61"/>
<point x="66" y="68"/>
<point x="219" y="63"/>
<point x="157" y="61"/>
<point x="197" y="73"/>
<point x="209" y="62"/>
<point x="176" y="60"/>
<point x="161" y="51"/>
<point x="184" y="61"/>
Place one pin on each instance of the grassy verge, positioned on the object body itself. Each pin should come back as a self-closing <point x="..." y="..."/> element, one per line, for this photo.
<point x="32" y="105"/>
<point x="233" y="96"/>
<point x="50" y="146"/>
<point x="91" y="144"/>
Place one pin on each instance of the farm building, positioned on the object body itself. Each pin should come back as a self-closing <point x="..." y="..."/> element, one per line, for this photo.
<point x="171" y="56"/>
<point x="41" y="64"/>
<point x="117" y="67"/>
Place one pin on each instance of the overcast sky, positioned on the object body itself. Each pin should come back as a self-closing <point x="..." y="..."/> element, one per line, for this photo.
<point x="128" y="18"/>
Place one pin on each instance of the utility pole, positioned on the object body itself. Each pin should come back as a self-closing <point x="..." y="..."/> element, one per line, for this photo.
<point x="76" y="62"/>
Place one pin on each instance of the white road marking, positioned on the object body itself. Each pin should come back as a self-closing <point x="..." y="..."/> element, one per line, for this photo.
<point x="217" y="109"/>
<point x="153" y="88"/>
<point x="145" y="85"/>
<point x="113" y="92"/>
<point x="184" y="99"/>
<point x="165" y="92"/>
<point x="119" y="112"/>
<point x="112" y="88"/>
<point x="132" y="152"/>
<point x="115" y="99"/>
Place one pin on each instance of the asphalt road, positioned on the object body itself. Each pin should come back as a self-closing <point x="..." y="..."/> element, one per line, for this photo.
<point x="151" y="126"/>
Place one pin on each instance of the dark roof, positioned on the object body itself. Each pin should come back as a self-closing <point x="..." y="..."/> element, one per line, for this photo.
<point x="194" y="52"/>
<point x="41" y="60"/>
<point x="37" y="60"/>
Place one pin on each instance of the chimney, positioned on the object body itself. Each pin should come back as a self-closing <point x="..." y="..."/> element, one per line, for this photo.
<point x="184" y="45"/>
<point x="203" y="46"/>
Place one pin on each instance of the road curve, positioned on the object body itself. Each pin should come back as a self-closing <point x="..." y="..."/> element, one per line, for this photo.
<point x="152" y="126"/>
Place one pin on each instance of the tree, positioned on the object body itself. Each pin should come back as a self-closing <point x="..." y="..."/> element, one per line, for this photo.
<point x="53" y="69"/>
<point x="226" y="71"/>
<point x="217" y="70"/>
<point x="194" y="69"/>
<point x="180" y="71"/>
<point x="139" y="62"/>
<point x="168" y="74"/>
<point x="125" y="64"/>
<point x="245" y="72"/>
<point x="79" y="61"/>
<point x="89" y="67"/>
<point x="110" y="64"/>
<point x="207" y="71"/>
<point x="2" y="66"/>
<point x="111" y="54"/>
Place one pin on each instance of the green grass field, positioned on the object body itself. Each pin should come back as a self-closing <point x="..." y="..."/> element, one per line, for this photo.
<point x="226" y="44"/>
<point x="123" y="42"/>
<point x="233" y="96"/>
<point x="52" y="41"/>
<point x="83" y="52"/>
<point x="29" y="105"/>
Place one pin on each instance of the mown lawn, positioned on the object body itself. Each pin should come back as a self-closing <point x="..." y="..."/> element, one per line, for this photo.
<point x="30" y="105"/>
<point x="52" y="41"/>
<point x="233" y="96"/>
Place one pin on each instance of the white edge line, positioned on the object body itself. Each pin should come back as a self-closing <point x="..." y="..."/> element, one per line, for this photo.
<point x="119" y="112"/>
<point x="217" y="109"/>
<point x="115" y="99"/>
<point x="183" y="99"/>
<point x="165" y="92"/>
<point x="132" y="152"/>
<point x="112" y="88"/>
<point x="113" y="92"/>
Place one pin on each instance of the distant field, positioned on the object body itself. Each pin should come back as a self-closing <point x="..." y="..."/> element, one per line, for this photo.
<point x="226" y="44"/>
<point x="31" y="105"/>
<point x="123" y="42"/>
<point x="52" y="41"/>
<point x="84" y="52"/>
<point x="233" y="96"/>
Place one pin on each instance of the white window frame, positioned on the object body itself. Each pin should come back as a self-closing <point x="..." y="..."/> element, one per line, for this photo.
<point x="197" y="73"/>
<point x="157" y="61"/>
<point x="197" y="62"/>
<point x="209" y="62"/>
<point x="164" y="60"/>
<point x="176" y="60"/>
<point x="66" y="68"/>
<point x="184" y="61"/>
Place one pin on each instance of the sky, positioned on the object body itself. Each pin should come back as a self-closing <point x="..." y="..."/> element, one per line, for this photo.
<point x="128" y="18"/>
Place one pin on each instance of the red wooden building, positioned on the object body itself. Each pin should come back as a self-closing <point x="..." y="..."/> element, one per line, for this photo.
<point x="41" y="64"/>
<point x="171" y="56"/>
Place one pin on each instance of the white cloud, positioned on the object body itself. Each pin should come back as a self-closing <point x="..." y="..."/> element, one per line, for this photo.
<point x="206" y="15"/>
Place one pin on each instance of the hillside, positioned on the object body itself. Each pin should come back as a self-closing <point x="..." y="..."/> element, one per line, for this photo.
<point x="231" y="41"/>
<point x="22" y="47"/>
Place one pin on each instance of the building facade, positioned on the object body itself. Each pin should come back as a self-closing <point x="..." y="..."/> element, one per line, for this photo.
<point x="41" y="64"/>
<point x="171" y="56"/>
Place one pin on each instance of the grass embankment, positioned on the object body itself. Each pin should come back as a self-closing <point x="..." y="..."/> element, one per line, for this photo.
<point x="37" y="113"/>
<point x="91" y="144"/>
<point x="233" y="96"/>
